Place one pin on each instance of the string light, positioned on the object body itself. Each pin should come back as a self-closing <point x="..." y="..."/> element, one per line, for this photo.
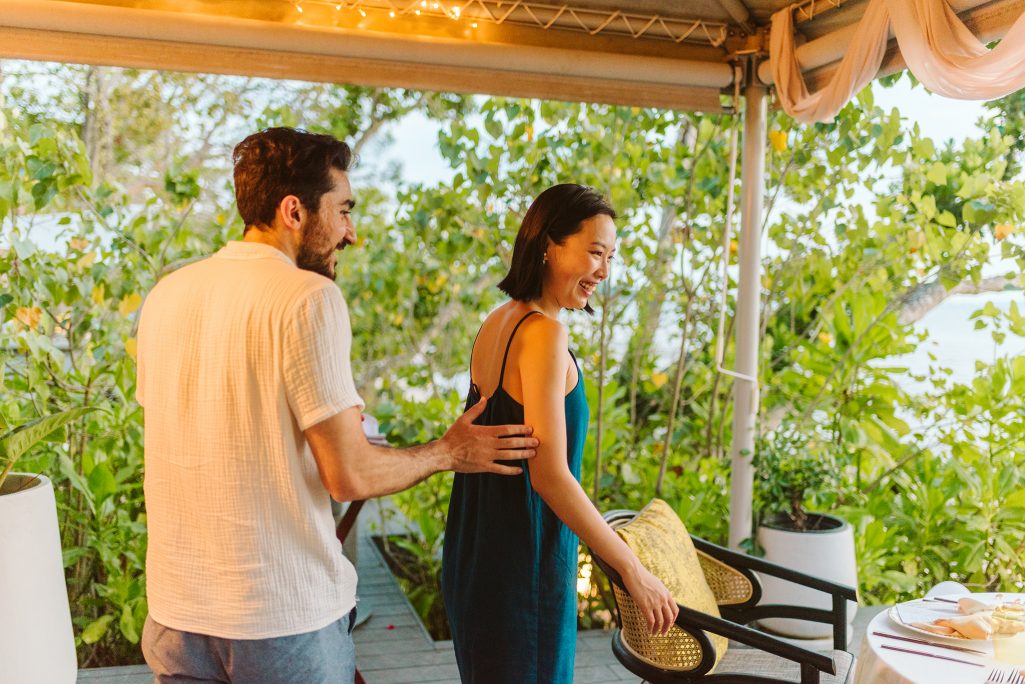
<point x="539" y="14"/>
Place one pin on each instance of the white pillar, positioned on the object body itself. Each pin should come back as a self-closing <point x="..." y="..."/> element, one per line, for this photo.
<point x="745" y="392"/>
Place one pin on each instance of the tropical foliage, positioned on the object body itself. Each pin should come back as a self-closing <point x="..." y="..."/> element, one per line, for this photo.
<point x="111" y="178"/>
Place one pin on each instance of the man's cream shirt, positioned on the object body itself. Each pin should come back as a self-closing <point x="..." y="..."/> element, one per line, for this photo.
<point x="237" y="355"/>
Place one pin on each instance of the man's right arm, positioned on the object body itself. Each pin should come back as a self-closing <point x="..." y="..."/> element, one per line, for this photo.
<point x="351" y="468"/>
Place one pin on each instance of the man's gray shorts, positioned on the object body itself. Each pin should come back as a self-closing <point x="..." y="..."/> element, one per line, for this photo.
<point x="326" y="656"/>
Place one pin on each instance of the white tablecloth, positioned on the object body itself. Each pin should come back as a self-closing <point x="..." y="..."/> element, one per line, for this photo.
<point x="877" y="665"/>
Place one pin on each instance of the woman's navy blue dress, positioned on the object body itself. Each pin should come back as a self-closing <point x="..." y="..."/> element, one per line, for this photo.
<point x="509" y="566"/>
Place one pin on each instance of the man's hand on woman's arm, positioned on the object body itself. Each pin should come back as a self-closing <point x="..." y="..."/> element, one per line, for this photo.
<point x="351" y="468"/>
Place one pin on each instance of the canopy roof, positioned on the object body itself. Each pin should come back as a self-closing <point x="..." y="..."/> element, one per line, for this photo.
<point x="662" y="53"/>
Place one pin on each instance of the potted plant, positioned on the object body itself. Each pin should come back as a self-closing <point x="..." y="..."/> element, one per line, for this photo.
<point x="37" y="643"/>
<point x="792" y="469"/>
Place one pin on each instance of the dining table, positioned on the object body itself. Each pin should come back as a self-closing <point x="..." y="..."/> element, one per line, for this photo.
<point x="895" y="653"/>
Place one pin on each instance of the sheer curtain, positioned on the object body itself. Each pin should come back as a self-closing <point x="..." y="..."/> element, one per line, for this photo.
<point x="936" y="45"/>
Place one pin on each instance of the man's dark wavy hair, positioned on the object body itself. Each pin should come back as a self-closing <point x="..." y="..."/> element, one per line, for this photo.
<point x="277" y="162"/>
<point x="555" y="214"/>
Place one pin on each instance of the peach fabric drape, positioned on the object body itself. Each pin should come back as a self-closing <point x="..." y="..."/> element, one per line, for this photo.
<point x="936" y="45"/>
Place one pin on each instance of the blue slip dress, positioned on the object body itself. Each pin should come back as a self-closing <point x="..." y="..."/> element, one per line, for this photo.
<point x="509" y="564"/>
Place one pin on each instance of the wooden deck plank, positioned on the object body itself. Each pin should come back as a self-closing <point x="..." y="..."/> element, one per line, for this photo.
<point x="406" y="654"/>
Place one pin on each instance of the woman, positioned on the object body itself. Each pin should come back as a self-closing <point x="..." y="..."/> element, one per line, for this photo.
<point x="510" y="558"/>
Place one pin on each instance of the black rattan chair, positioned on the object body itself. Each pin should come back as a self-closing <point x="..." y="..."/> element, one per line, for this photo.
<point x="754" y="657"/>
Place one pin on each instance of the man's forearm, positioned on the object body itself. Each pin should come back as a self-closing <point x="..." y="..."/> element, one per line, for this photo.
<point x="379" y="471"/>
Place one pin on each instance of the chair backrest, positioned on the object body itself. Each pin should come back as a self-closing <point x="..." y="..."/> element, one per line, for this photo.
<point x="662" y="543"/>
<point x="730" y="586"/>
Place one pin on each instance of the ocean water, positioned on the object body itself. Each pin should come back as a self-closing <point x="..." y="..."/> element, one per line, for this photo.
<point x="954" y="342"/>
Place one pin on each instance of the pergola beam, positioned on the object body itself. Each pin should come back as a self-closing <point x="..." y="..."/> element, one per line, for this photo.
<point x="117" y="36"/>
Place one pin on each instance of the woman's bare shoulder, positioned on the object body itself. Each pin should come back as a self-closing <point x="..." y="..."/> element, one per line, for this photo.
<point x="541" y="330"/>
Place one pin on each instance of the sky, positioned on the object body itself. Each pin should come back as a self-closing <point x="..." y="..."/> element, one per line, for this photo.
<point x="939" y="118"/>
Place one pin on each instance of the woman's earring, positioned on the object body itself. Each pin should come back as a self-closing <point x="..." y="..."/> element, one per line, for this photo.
<point x="544" y="259"/>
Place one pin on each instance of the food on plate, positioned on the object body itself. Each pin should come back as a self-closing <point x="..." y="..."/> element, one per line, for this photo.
<point x="969" y="605"/>
<point x="977" y="626"/>
<point x="1009" y="618"/>
<point x="935" y="629"/>
<point x="979" y="619"/>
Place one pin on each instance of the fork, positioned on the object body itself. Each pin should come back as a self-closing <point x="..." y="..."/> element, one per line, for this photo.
<point x="1008" y="676"/>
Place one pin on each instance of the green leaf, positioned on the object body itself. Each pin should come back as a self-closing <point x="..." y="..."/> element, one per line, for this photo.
<point x="133" y="616"/>
<point x="24" y="248"/>
<point x="22" y="438"/>
<point x="937" y="173"/>
<point x="1016" y="499"/>
<point x="96" y="629"/>
<point x="947" y="219"/>
<point x="979" y="212"/>
<point x="101" y="482"/>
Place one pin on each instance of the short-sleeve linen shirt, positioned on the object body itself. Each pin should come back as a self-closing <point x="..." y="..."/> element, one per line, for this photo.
<point x="237" y="355"/>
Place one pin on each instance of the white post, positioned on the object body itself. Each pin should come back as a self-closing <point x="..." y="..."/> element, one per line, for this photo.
<point x="745" y="392"/>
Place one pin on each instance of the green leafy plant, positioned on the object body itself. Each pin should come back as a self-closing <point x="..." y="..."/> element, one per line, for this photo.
<point x="105" y="187"/>
<point x="790" y="468"/>
<point x="17" y="441"/>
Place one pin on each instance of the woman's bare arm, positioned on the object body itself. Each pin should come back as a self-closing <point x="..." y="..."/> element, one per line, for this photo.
<point x="544" y="363"/>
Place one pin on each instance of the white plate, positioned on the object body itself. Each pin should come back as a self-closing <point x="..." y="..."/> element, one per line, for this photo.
<point x="940" y="609"/>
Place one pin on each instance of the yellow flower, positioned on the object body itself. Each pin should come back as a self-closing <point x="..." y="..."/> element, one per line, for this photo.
<point x="131" y="347"/>
<point x="659" y="379"/>
<point x="1003" y="230"/>
<point x="129" y="304"/>
<point x="825" y="337"/>
<point x="778" y="139"/>
<point x="733" y="248"/>
<point x="29" y="316"/>
<point x="99" y="294"/>
<point x="78" y="244"/>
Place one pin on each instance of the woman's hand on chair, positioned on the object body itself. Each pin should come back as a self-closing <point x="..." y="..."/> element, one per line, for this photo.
<point x="654" y="600"/>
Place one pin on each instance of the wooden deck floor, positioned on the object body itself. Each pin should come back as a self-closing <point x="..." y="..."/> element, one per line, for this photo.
<point x="392" y="646"/>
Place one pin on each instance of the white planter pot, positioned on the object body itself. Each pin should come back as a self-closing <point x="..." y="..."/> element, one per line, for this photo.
<point x="37" y="644"/>
<point x="826" y="552"/>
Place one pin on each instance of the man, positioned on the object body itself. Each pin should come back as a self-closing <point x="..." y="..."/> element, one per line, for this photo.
<point x="252" y="419"/>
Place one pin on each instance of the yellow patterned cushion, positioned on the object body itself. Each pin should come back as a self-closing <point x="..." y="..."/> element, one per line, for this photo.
<point x="664" y="547"/>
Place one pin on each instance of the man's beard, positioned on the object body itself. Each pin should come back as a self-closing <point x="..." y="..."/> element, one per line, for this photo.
<point x="315" y="249"/>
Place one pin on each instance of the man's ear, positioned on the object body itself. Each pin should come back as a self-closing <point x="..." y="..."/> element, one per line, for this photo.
<point x="291" y="211"/>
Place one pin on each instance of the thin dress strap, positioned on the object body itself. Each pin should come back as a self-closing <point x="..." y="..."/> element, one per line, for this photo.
<point x="508" y="346"/>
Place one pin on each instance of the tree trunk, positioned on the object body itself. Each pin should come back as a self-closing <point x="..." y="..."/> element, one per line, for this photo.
<point x="927" y="296"/>
<point x="97" y="128"/>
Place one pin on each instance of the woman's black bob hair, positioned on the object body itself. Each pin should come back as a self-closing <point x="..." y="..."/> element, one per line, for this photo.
<point x="554" y="215"/>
